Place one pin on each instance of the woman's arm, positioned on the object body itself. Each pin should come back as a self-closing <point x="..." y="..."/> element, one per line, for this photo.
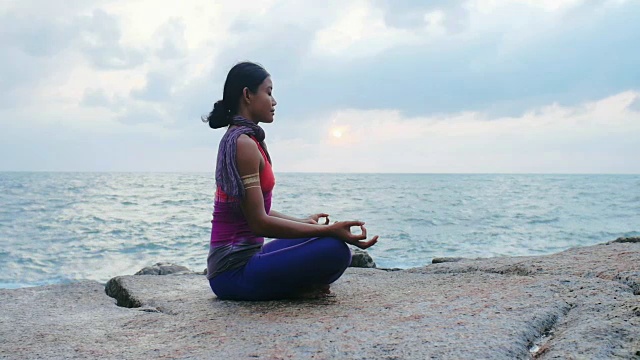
<point x="312" y="219"/>
<point x="248" y="160"/>
<point x="287" y="217"/>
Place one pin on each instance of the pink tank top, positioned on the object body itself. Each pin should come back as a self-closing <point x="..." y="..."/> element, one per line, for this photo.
<point x="232" y="241"/>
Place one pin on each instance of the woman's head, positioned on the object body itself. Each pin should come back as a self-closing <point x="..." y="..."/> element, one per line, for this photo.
<point x="247" y="92"/>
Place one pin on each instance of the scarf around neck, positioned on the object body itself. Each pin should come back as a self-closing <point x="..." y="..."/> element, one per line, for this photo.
<point x="227" y="176"/>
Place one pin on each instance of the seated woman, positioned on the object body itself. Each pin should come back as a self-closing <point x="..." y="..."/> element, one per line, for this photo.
<point x="306" y="256"/>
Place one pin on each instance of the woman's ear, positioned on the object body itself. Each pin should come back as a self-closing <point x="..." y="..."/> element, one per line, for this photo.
<point x="246" y="95"/>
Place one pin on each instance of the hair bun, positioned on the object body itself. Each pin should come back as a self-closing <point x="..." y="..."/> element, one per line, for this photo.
<point x="220" y="106"/>
<point x="219" y="117"/>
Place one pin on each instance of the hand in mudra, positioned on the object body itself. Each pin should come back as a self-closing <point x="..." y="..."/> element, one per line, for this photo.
<point x="315" y="218"/>
<point x="342" y="230"/>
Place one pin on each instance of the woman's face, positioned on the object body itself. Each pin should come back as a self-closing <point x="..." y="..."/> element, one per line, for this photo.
<point x="262" y="106"/>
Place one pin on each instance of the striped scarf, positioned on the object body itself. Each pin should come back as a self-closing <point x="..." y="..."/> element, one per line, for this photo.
<point x="227" y="176"/>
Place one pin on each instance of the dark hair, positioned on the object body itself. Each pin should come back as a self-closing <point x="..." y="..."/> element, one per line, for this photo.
<point x="242" y="75"/>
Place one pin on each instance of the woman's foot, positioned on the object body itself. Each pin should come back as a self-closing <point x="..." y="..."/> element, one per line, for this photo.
<point x="317" y="292"/>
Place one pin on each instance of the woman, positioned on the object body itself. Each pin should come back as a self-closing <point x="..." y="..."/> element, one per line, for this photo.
<point x="306" y="257"/>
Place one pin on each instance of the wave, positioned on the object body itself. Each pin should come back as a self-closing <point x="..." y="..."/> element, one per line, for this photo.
<point x="544" y="221"/>
<point x="132" y="218"/>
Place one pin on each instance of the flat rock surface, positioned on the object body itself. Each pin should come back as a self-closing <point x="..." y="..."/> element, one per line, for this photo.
<point x="576" y="304"/>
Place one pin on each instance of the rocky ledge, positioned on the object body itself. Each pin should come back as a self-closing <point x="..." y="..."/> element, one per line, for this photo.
<point x="580" y="303"/>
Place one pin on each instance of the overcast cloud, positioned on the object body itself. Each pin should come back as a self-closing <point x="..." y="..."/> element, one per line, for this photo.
<point x="362" y="86"/>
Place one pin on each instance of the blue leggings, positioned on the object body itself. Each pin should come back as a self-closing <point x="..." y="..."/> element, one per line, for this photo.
<point x="284" y="268"/>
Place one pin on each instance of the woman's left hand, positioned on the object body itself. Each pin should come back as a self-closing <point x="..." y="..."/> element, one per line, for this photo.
<point x="313" y="219"/>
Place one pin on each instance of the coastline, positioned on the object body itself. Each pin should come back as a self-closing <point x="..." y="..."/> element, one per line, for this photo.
<point x="582" y="302"/>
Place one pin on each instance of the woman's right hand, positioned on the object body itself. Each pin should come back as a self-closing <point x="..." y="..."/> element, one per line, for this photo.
<point x="342" y="230"/>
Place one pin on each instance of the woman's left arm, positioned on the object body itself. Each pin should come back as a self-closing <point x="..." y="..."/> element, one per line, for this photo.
<point x="313" y="219"/>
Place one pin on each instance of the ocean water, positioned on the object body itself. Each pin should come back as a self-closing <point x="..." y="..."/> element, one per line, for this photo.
<point x="60" y="227"/>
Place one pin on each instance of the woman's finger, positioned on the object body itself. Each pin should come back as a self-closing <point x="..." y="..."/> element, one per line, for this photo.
<point x="357" y="237"/>
<point x="361" y="236"/>
<point x="321" y="215"/>
<point x="367" y="244"/>
<point x="353" y="223"/>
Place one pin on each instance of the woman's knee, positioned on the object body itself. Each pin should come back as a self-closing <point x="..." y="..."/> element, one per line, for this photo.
<point x="337" y="250"/>
<point x="216" y="288"/>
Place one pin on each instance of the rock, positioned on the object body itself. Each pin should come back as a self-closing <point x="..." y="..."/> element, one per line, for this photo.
<point x="625" y="240"/>
<point x="441" y="260"/>
<point x="577" y="303"/>
<point x="389" y="269"/>
<point x="361" y="259"/>
<point x="121" y="294"/>
<point x="164" y="269"/>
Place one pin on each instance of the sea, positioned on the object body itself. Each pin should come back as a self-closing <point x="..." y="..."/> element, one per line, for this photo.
<point x="59" y="227"/>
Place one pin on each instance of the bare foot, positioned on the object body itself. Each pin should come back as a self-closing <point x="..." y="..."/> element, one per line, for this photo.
<point x="318" y="292"/>
<point x="309" y="295"/>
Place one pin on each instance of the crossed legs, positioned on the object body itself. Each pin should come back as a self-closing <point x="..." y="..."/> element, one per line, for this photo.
<point x="285" y="268"/>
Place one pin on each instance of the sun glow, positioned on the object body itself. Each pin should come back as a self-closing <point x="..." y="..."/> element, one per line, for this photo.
<point x="338" y="132"/>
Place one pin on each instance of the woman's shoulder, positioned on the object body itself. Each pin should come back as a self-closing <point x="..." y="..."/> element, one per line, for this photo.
<point x="246" y="140"/>
<point x="248" y="155"/>
<point x="246" y="146"/>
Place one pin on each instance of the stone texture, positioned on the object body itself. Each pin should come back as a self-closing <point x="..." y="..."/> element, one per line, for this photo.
<point x="626" y="240"/>
<point x="361" y="258"/>
<point x="576" y="304"/>
<point x="440" y="260"/>
<point x="163" y="269"/>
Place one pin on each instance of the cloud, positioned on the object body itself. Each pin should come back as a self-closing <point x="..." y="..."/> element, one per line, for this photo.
<point x="141" y="114"/>
<point x="504" y="63"/>
<point x="635" y="105"/>
<point x="173" y="44"/>
<point x="157" y="88"/>
<point x="43" y="45"/>
<point x="100" y="40"/>
<point x="593" y="137"/>
<point x="101" y="70"/>
<point x="358" y="31"/>
<point x="96" y="98"/>
<point x="450" y="16"/>
<point x="29" y="47"/>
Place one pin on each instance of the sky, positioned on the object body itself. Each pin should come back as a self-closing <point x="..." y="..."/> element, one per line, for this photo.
<point x="378" y="86"/>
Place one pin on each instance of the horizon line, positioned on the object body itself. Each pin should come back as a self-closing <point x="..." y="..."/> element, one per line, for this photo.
<point x="314" y="172"/>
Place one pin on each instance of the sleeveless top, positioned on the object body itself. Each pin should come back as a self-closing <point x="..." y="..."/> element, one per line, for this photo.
<point x="232" y="241"/>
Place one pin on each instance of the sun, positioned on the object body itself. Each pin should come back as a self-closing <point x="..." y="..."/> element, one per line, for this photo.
<point x="339" y="134"/>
